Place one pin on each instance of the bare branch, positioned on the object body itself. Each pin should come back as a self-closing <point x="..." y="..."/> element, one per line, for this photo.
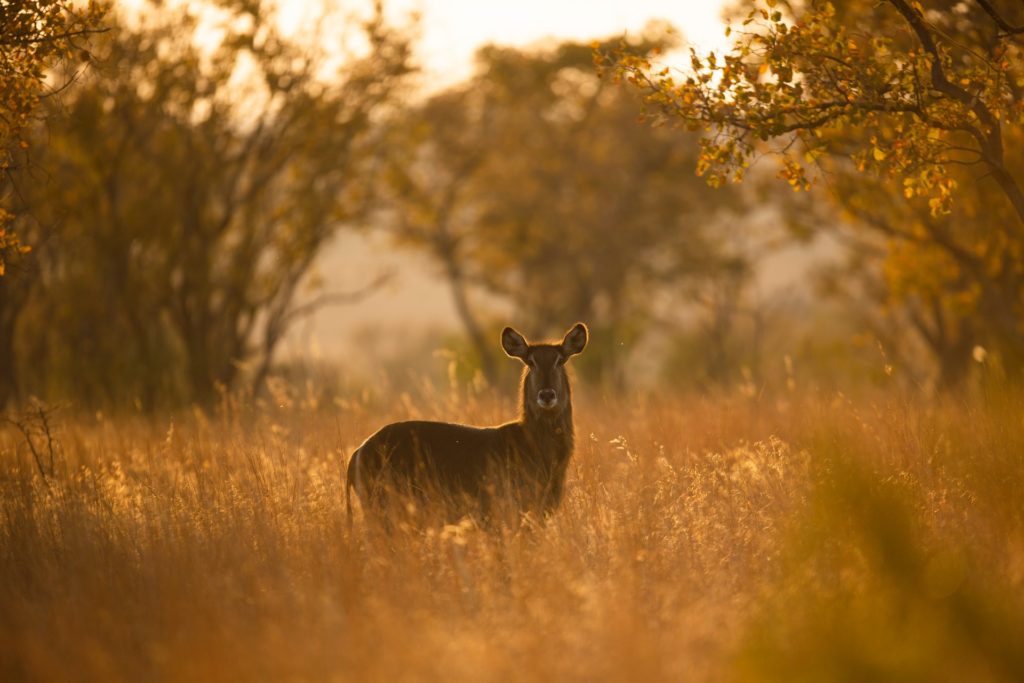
<point x="335" y="299"/>
<point x="32" y="425"/>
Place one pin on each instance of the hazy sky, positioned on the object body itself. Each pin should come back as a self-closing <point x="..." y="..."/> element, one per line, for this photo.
<point x="453" y="29"/>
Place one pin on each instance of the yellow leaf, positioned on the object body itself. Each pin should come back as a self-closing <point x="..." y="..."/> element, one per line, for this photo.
<point x="879" y="154"/>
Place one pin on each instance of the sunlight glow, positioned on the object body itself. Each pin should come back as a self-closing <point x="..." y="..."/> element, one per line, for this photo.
<point x="453" y="29"/>
<point x="450" y="31"/>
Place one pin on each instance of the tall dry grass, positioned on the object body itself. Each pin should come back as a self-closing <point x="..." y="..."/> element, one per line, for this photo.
<point x="811" y="538"/>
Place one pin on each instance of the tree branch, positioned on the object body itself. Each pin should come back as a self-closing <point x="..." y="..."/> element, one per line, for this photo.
<point x="335" y="299"/>
<point x="1006" y="27"/>
<point x="990" y="138"/>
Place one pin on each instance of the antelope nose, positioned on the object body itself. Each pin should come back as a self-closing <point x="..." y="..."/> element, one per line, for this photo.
<point x="547" y="397"/>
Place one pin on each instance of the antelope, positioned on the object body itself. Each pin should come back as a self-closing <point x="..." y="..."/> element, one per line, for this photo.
<point x="518" y="467"/>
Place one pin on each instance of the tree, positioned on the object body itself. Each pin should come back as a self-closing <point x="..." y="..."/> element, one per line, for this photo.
<point x="434" y="154"/>
<point x="532" y="182"/>
<point x="929" y="100"/>
<point x="34" y="35"/>
<point x="193" y="189"/>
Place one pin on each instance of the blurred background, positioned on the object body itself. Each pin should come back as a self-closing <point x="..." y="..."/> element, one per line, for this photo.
<point x="210" y="197"/>
<point x="238" y="236"/>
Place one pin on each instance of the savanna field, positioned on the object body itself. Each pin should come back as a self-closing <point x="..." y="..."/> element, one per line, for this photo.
<point x="796" y="537"/>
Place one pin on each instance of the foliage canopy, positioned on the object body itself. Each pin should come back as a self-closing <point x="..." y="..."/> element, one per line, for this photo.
<point x="911" y="116"/>
<point x="188" y="193"/>
<point x="34" y="36"/>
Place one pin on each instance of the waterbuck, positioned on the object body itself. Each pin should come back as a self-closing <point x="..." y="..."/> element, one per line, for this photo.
<point x="484" y="472"/>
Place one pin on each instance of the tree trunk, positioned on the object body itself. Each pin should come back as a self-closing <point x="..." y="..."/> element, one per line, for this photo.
<point x="15" y="287"/>
<point x="476" y="334"/>
<point x="8" y="365"/>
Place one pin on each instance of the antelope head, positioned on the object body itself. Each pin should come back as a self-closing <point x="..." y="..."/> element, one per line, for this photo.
<point x="545" y="382"/>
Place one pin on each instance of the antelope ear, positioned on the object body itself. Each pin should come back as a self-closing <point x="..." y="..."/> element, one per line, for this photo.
<point x="514" y="344"/>
<point x="575" y="340"/>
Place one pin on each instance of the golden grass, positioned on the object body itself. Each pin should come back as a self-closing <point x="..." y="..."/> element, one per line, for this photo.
<point x="700" y="539"/>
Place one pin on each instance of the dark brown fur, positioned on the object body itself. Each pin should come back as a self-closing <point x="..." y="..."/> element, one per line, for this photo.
<point x="515" y="468"/>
